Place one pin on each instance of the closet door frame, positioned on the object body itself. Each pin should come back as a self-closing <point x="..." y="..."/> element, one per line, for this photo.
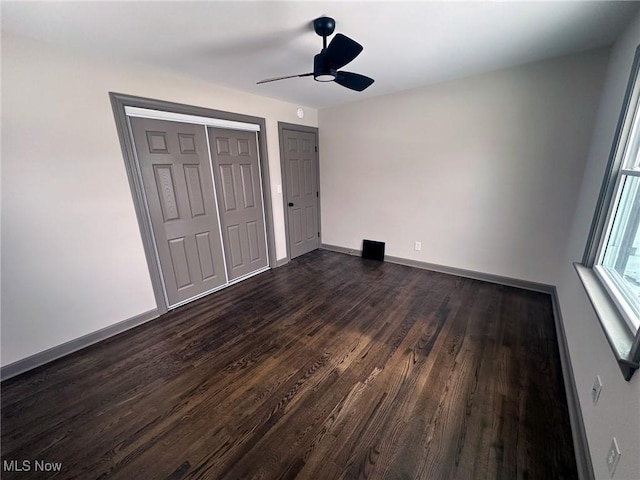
<point x="119" y="102"/>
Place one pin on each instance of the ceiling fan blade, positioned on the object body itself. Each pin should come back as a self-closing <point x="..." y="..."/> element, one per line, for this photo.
<point x="354" y="81"/>
<point x="341" y="51"/>
<point x="266" y="80"/>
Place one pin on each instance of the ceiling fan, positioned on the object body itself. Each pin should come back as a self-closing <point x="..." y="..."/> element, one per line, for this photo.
<point x="340" y="51"/>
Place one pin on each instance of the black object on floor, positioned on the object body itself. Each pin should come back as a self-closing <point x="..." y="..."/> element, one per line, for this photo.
<point x="373" y="250"/>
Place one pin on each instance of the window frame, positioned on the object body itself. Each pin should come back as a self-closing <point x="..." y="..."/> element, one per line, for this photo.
<point x="621" y="332"/>
<point x="613" y="281"/>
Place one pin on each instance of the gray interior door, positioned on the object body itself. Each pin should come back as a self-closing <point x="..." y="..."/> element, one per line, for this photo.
<point x="301" y="191"/>
<point x="176" y="174"/>
<point x="237" y="176"/>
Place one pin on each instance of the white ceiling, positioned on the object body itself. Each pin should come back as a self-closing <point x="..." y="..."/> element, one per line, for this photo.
<point x="406" y="44"/>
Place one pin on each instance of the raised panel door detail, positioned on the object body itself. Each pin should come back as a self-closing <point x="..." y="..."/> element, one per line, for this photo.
<point x="246" y="177"/>
<point x="308" y="177"/>
<point x="254" y="241"/>
<point x="181" y="271"/>
<point x="178" y="186"/>
<point x="243" y="147"/>
<point x="297" y="226"/>
<point x="194" y="190"/>
<point x="310" y="223"/>
<point x="238" y="185"/>
<point x="228" y="187"/>
<point x="294" y="178"/>
<point x="166" y="192"/>
<point x="301" y="196"/>
<point x="205" y="256"/>
<point x="187" y="143"/>
<point x="222" y="146"/>
<point x="157" y="142"/>
<point x="235" y="246"/>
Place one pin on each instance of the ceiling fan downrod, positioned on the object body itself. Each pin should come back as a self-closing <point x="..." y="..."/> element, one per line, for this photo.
<point x="324" y="26"/>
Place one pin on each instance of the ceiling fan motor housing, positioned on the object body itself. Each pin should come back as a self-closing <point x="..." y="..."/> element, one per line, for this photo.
<point x="322" y="72"/>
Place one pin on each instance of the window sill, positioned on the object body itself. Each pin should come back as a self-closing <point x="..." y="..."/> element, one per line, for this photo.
<point x="624" y="344"/>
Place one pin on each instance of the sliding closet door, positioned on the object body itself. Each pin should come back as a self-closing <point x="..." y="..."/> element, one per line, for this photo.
<point x="176" y="174"/>
<point x="237" y="175"/>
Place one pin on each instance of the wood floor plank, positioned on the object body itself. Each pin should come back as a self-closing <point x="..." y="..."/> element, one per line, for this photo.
<point x="331" y="367"/>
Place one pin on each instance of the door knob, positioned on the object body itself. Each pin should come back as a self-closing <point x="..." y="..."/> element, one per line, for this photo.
<point x="290" y="204"/>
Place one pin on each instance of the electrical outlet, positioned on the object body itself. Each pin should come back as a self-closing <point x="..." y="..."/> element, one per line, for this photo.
<point x="417" y="246"/>
<point x="279" y="188"/>
<point x="595" y="390"/>
<point x="613" y="456"/>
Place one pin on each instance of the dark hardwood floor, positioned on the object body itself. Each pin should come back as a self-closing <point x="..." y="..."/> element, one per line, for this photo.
<point x="330" y="367"/>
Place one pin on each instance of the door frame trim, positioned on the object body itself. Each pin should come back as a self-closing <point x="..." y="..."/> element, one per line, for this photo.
<point x="282" y="126"/>
<point x="118" y="103"/>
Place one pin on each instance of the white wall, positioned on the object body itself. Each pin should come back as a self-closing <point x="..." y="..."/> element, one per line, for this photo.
<point x="72" y="257"/>
<point x="618" y="410"/>
<point x="484" y="171"/>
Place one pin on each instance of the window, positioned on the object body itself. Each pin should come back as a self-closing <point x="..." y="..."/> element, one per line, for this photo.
<point x="618" y="260"/>
<point x="610" y="270"/>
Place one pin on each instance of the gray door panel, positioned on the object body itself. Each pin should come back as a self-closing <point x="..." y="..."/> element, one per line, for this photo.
<point x="301" y="191"/>
<point x="176" y="175"/>
<point x="237" y="176"/>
